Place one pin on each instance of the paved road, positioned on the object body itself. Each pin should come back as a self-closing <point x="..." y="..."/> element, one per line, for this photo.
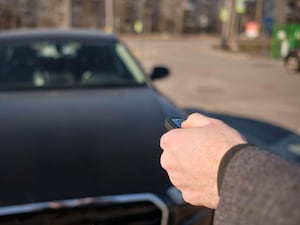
<point x="209" y="79"/>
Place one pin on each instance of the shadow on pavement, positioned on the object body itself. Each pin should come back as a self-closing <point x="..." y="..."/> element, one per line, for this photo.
<point x="268" y="136"/>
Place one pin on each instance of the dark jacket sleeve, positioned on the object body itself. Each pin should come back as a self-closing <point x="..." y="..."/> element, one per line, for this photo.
<point x="258" y="187"/>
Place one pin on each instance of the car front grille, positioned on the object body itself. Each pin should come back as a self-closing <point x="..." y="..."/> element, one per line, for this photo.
<point x="123" y="209"/>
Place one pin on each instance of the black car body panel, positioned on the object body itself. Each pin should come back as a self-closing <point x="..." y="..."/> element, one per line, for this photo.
<point x="80" y="143"/>
<point x="18" y="36"/>
<point x="85" y="153"/>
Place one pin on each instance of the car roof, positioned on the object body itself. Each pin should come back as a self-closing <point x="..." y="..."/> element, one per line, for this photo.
<point x="56" y="34"/>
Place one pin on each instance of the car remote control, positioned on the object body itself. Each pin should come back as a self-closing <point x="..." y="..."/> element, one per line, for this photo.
<point x="173" y="122"/>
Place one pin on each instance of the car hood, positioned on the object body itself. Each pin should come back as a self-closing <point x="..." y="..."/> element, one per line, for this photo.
<point x="79" y="143"/>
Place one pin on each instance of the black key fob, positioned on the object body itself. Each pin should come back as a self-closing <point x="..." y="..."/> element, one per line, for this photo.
<point x="173" y="123"/>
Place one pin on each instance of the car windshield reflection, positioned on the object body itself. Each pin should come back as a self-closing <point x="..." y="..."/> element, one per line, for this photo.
<point x="39" y="64"/>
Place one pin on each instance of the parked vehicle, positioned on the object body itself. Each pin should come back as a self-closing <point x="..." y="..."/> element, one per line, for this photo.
<point x="292" y="61"/>
<point x="80" y="130"/>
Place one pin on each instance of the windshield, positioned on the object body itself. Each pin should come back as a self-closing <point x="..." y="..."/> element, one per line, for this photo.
<point x="68" y="63"/>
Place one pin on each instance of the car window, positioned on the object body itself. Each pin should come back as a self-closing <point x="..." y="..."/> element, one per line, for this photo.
<point x="69" y="63"/>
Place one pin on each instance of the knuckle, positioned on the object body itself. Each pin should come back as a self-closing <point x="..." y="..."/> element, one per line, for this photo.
<point x="163" y="141"/>
<point x="166" y="139"/>
<point x="164" y="161"/>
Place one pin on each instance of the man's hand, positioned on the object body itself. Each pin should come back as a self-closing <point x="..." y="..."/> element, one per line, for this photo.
<point x="192" y="156"/>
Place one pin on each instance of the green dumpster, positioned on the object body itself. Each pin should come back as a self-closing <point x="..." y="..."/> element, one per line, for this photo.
<point x="285" y="37"/>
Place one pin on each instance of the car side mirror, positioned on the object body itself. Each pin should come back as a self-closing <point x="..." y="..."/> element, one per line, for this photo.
<point x="159" y="72"/>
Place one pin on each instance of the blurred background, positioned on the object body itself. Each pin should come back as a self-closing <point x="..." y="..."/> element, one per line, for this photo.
<point x="173" y="16"/>
<point x="246" y="25"/>
<point x="226" y="56"/>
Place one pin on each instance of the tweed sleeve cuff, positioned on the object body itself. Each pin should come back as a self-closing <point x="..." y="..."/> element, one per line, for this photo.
<point x="225" y="160"/>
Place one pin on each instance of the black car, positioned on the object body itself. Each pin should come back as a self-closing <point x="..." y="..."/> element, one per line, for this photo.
<point x="292" y="61"/>
<point x="80" y="130"/>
